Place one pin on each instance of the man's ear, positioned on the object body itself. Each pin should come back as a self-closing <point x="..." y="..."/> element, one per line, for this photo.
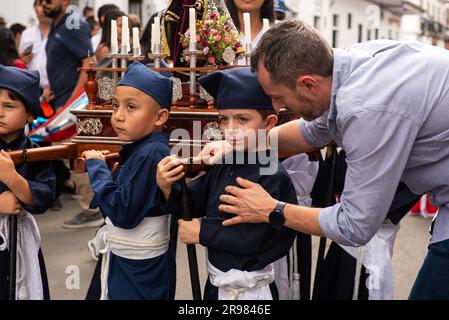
<point x="162" y="117"/>
<point x="307" y="83"/>
<point x="271" y="121"/>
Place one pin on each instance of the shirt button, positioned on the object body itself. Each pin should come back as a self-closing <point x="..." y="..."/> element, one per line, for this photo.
<point x="231" y="173"/>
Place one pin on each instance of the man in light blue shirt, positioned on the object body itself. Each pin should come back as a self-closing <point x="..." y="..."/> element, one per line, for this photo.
<point x="386" y="104"/>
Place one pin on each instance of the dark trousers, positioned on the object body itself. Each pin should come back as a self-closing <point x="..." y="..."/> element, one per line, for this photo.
<point x="432" y="282"/>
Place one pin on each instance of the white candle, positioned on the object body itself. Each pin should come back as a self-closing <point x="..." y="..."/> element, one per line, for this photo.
<point x="192" y="28"/>
<point x="247" y="24"/>
<point x="266" y="25"/>
<point x="136" y="41"/>
<point x="125" y="34"/>
<point x="114" y="41"/>
<point x="157" y="30"/>
<point x="152" y="37"/>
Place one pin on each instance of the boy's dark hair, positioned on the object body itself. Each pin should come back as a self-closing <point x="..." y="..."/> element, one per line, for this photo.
<point x="266" y="113"/>
<point x="15" y="97"/>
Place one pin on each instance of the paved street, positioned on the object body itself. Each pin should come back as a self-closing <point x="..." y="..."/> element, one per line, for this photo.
<point x="66" y="252"/>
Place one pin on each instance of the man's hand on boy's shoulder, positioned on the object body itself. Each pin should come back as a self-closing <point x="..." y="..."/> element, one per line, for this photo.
<point x="94" y="154"/>
<point x="9" y="204"/>
<point x="7" y="169"/>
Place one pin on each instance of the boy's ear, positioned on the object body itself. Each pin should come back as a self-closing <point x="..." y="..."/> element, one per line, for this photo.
<point x="271" y="121"/>
<point x="162" y="117"/>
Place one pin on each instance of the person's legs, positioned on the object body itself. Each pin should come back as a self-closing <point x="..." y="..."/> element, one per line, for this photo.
<point x="432" y="282"/>
<point x="87" y="217"/>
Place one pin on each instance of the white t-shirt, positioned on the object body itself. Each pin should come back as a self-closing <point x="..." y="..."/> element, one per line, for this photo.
<point x="38" y="62"/>
<point x="96" y="40"/>
<point x="255" y="42"/>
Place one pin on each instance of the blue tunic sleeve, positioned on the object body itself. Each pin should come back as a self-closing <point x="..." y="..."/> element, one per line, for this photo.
<point x="133" y="195"/>
<point x="42" y="183"/>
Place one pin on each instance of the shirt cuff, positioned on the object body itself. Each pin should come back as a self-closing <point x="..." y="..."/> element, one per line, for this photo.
<point x="328" y="221"/>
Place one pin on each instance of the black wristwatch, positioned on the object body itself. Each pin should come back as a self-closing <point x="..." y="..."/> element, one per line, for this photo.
<point x="276" y="217"/>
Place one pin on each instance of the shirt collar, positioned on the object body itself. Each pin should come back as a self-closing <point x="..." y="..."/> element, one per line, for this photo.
<point x="339" y="75"/>
<point x="154" y="136"/>
<point x="18" y="143"/>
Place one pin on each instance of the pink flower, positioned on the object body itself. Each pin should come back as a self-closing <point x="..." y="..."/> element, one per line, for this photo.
<point x="187" y="58"/>
<point x="208" y="22"/>
<point x="206" y="50"/>
<point x="227" y="40"/>
<point x="211" y="60"/>
<point x="213" y="15"/>
<point x="187" y="33"/>
<point x="217" y="37"/>
<point x="214" y="31"/>
<point x="198" y="38"/>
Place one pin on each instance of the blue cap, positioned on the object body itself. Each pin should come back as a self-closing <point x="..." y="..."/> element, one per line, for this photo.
<point x="279" y="6"/>
<point x="25" y="83"/>
<point x="236" y="88"/>
<point x="152" y="83"/>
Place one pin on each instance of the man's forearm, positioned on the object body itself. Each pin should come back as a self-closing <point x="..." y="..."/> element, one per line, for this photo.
<point x="303" y="219"/>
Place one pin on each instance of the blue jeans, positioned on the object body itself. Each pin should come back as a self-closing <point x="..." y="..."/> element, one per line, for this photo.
<point x="432" y="282"/>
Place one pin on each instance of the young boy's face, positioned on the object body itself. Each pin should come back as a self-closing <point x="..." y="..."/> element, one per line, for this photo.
<point x="13" y="116"/>
<point x="135" y="114"/>
<point x="241" y="127"/>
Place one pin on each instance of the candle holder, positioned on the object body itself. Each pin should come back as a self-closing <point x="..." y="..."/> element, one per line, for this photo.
<point x="115" y="57"/>
<point x="248" y="51"/>
<point x="193" y="54"/>
<point x="156" y="55"/>
<point x="136" y="56"/>
<point x="123" y="56"/>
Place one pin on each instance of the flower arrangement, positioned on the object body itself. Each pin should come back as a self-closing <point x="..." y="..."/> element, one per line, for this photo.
<point x="217" y="44"/>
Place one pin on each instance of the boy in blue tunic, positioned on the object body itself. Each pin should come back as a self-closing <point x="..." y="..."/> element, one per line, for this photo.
<point x="241" y="257"/>
<point x="139" y="261"/>
<point x="25" y="188"/>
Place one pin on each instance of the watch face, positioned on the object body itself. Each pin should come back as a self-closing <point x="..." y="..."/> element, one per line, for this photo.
<point x="276" y="219"/>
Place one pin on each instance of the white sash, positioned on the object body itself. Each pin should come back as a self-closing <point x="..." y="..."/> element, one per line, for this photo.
<point x="149" y="239"/>
<point x="242" y="285"/>
<point x="29" y="281"/>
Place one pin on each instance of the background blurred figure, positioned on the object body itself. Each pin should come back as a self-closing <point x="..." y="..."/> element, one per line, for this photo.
<point x="280" y="10"/>
<point x="8" y="51"/>
<point x="101" y="12"/>
<point x="93" y="25"/>
<point x="32" y="46"/>
<point x="104" y="47"/>
<point x="17" y="30"/>
<point x="88" y="12"/>
<point x="258" y="9"/>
